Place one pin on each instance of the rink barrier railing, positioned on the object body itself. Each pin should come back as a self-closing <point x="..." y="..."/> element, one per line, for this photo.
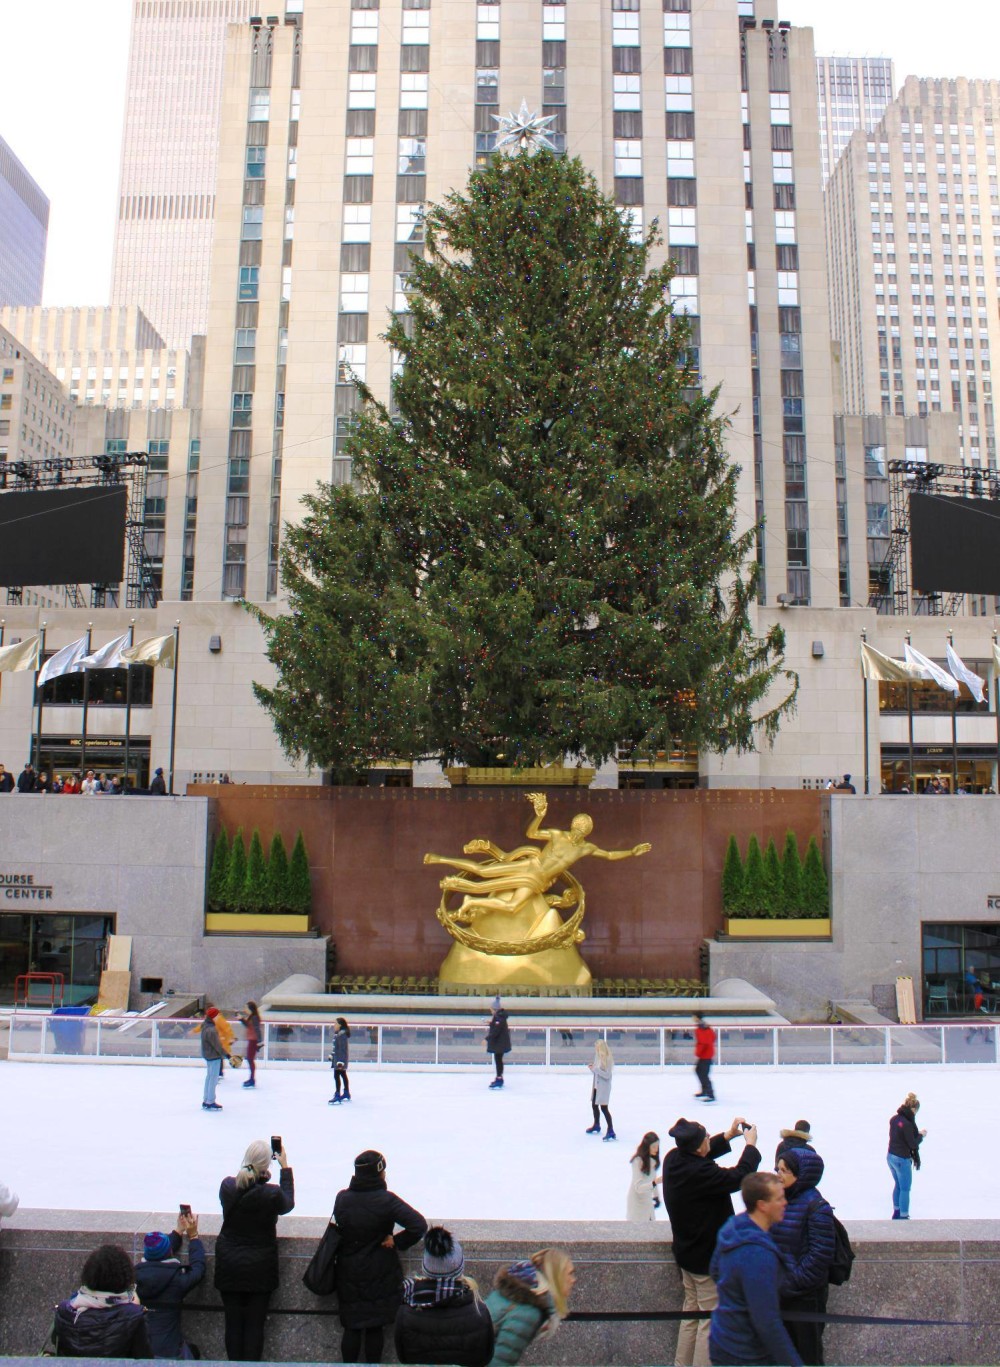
<point x="36" y="1036"/>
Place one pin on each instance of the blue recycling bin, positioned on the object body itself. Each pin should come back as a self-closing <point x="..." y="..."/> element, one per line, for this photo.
<point x="68" y="1029"/>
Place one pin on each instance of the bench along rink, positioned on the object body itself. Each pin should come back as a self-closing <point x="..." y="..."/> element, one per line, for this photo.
<point x="108" y="1137"/>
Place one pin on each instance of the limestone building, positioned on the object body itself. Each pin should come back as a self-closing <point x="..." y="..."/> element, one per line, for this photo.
<point x="853" y="93"/>
<point x="24" y="230"/>
<point x="166" y="194"/>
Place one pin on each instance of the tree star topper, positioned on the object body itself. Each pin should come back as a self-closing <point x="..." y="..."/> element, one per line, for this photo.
<point x="524" y="131"/>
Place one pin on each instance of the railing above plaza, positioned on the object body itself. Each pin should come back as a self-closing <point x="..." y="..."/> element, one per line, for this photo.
<point x="37" y="1036"/>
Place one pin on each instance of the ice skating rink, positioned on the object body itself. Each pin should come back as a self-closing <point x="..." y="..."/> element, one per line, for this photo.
<point x="106" y="1136"/>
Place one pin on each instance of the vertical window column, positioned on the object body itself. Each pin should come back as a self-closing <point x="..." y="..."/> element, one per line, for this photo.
<point x="626" y="101"/>
<point x="554" y="70"/>
<point x="487" y="80"/>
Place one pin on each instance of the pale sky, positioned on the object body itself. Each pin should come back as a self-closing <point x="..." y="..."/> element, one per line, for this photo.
<point x="63" y="92"/>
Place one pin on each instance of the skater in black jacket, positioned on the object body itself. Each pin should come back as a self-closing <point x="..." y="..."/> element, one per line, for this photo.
<point x="339" y="1060"/>
<point x="498" y="1041"/>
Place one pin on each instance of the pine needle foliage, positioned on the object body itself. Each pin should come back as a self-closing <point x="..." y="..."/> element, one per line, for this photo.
<point x="538" y="555"/>
<point x="732" y="880"/>
<point x="277" y="875"/>
<point x="754" y="884"/>
<point x="299" y="885"/>
<point x="791" y="877"/>
<point x="772" y="880"/>
<point x="815" y="887"/>
<point x="255" y="896"/>
<point x="236" y="874"/>
<point x="217" y="872"/>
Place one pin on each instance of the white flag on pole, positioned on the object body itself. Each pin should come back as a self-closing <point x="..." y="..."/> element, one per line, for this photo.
<point x="69" y="660"/>
<point x="964" y="674"/>
<point x="108" y="656"/>
<point x="154" y="650"/>
<point x="20" y="656"/>
<point x="929" y="670"/>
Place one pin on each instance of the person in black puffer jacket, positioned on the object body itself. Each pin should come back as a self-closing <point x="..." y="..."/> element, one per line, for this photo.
<point x="442" y="1318"/>
<point x="904" y="1154"/>
<point x="369" y="1274"/>
<point x="104" y="1319"/>
<point x="806" y="1238"/>
<point x="162" y="1282"/>
<point x="246" y="1251"/>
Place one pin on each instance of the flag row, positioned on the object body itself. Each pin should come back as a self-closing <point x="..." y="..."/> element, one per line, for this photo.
<point x="76" y="657"/>
<point x="914" y="666"/>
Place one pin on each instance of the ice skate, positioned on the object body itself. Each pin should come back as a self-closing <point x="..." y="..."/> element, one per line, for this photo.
<point x="610" y="1136"/>
<point x="594" y="1129"/>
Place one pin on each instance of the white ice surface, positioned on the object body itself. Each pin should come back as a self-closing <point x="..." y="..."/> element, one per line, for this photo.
<point x="116" y="1137"/>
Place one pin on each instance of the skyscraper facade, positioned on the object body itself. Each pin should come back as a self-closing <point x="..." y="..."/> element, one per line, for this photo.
<point x="853" y="92"/>
<point x="335" y="136"/>
<point x="166" y="198"/>
<point x="24" y="230"/>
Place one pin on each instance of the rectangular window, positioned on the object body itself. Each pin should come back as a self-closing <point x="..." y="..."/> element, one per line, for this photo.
<point x="627" y="92"/>
<point x="554" y="85"/>
<point x="253" y="222"/>
<point x="628" y="157"/>
<point x="631" y="216"/>
<point x="242" y="415"/>
<point x="553" y="23"/>
<point x="249" y="282"/>
<point x="679" y="92"/>
<point x="624" y="29"/>
<point x="784" y="227"/>
<point x="364" y="26"/>
<point x="409" y="223"/>
<point x="360" y="158"/>
<point x="352" y="363"/>
<point x="677" y="30"/>
<point x="412" y="155"/>
<point x="260" y="104"/>
<point x="413" y="91"/>
<point x="246" y="346"/>
<point x="357" y="223"/>
<point x="780" y="109"/>
<point x="680" y="158"/>
<point x="487" y="86"/>
<point x="354" y="293"/>
<point x="488" y="23"/>
<point x="682" y="227"/>
<point x="361" y="90"/>
<point x="256" y="156"/>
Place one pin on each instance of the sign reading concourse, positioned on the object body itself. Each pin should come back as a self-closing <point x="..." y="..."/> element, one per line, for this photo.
<point x="21" y="887"/>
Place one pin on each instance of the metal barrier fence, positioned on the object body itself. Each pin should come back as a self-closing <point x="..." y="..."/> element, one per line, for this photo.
<point x="442" y="1044"/>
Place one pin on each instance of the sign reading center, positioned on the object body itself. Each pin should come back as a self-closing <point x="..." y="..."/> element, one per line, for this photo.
<point x="21" y="887"/>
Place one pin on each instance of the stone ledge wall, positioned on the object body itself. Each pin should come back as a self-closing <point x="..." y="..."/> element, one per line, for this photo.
<point x="925" y="1270"/>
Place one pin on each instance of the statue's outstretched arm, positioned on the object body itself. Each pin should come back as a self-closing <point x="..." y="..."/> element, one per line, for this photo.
<point x="595" y="852"/>
<point x="541" y="805"/>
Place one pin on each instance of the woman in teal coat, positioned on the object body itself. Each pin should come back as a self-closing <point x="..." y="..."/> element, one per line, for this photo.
<point x="529" y="1298"/>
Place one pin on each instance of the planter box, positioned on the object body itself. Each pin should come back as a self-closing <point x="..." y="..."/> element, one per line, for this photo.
<point x="256" y="923"/>
<point x="548" y="776"/>
<point x="797" y="928"/>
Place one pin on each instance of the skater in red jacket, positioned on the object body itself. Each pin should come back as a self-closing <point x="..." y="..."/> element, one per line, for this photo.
<point x="704" y="1054"/>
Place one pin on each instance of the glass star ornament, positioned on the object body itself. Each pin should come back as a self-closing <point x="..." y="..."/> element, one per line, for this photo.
<point x="524" y="131"/>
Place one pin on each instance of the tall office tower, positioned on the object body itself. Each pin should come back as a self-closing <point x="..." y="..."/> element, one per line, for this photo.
<point x="24" y="230"/>
<point x="913" y="221"/>
<point x="853" y="93"/>
<point x="166" y="196"/>
<point x="335" y="136"/>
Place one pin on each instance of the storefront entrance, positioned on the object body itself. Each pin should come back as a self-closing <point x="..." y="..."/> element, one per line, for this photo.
<point x="70" y="945"/>
<point x="961" y="970"/>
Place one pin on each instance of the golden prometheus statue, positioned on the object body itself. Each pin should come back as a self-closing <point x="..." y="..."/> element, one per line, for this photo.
<point x="507" y="929"/>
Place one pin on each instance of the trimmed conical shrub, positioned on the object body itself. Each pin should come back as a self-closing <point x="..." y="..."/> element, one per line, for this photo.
<point x="791" y="877"/>
<point x="815" y="889"/>
<point x="218" y="871"/>
<point x="255" y="887"/>
<point x="277" y="875"/>
<point x="772" y="880"/>
<point x="754" y="889"/>
<point x="732" y="880"/>
<point x="236" y="874"/>
<point x="299" y="886"/>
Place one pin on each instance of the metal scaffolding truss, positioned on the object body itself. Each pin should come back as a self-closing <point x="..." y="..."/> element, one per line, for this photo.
<point x="127" y="469"/>
<point x="893" y="596"/>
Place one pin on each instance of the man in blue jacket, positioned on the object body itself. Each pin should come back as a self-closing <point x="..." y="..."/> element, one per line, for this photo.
<point x="747" y="1267"/>
<point x="162" y="1282"/>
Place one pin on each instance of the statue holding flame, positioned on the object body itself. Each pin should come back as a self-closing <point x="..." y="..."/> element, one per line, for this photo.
<point x="507" y="926"/>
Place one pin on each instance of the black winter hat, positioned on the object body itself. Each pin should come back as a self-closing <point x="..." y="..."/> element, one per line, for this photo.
<point x="687" y="1134"/>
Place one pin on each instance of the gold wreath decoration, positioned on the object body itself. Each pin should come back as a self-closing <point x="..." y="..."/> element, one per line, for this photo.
<point x="569" y="933"/>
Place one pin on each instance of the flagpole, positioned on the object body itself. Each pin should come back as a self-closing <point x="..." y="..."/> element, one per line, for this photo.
<point x="173" y="709"/>
<point x="37" y="747"/>
<point x="909" y="719"/>
<point x="86" y="703"/>
<point x="3" y="629"/>
<point x="864" y="694"/>
<point x="954" y="728"/>
<point x="996" y="685"/>
<point x="128" y="700"/>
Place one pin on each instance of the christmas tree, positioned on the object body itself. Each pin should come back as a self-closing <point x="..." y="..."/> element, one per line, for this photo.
<point x="772" y="880"/>
<point x="754" y="884"/>
<point x="815" y="889"/>
<point x="538" y="555"/>
<point x="255" y="886"/>
<point x="791" y="877"/>
<point x="277" y="875"/>
<point x="732" y="880"/>
<point x="236" y="874"/>
<point x="299" y="886"/>
<point x="217" y="873"/>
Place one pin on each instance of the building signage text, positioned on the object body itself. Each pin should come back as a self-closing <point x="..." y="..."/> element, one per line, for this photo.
<point x="21" y="887"/>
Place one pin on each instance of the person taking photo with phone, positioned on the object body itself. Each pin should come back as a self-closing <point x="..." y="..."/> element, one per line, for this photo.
<point x="246" y="1251"/>
<point x="162" y="1281"/>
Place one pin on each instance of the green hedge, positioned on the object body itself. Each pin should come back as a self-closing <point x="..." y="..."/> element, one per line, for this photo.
<point x="767" y="885"/>
<point x="253" y="882"/>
